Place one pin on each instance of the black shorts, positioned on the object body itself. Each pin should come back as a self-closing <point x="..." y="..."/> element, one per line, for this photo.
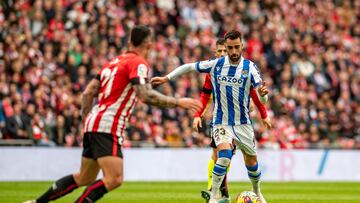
<point x="212" y="143"/>
<point x="101" y="144"/>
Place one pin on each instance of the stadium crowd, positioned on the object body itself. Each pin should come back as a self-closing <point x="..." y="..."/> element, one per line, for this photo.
<point x="308" y="52"/>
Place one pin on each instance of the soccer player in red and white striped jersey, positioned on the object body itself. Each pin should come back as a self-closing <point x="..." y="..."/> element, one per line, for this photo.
<point x="117" y="87"/>
<point x="116" y="95"/>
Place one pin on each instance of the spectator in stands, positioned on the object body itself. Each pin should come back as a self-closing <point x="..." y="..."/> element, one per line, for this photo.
<point x="59" y="131"/>
<point x="15" y="125"/>
<point x="39" y="134"/>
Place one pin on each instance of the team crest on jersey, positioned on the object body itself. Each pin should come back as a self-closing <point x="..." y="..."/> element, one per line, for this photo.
<point x="217" y="68"/>
<point x="244" y="73"/>
<point x="142" y="71"/>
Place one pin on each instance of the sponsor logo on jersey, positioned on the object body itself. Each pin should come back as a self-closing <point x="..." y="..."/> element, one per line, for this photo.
<point x="228" y="80"/>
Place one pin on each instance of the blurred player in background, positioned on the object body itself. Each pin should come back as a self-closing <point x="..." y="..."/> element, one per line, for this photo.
<point x="232" y="77"/>
<point x="118" y="85"/>
<point x="205" y="95"/>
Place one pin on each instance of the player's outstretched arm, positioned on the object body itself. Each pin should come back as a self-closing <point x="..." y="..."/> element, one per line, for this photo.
<point x="261" y="107"/>
<point x="181" y="70"/>
<point x="91" y="91"/>
<point x="204" y="99"/>
<point x="152" y="97"/>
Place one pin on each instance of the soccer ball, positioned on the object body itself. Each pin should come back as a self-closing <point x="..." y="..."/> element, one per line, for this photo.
<point x="247" y="197"/>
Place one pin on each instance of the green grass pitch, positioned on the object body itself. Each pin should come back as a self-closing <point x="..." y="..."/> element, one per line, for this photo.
<point x="189" y="192"/>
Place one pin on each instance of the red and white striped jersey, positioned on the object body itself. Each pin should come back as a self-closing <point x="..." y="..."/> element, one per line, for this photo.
<point x="116" y="97"/>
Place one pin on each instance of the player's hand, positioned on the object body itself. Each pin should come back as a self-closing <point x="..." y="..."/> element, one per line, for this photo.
<point x="190" y="104"/>
<point x="197" y="123"/>
<point x="262" y="90"/>
<point x="267" y="122"/>
<point x="156" y="81"/>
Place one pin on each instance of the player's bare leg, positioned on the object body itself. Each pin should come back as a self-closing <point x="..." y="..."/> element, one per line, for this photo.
<point x="88" y="172"/>
<point x="112" y="168"/>
<point x="254" y="173"/>
<point x="222" y="163"/>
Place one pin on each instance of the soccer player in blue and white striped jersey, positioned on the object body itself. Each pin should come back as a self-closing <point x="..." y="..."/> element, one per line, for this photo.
<point x="232" y="76"/>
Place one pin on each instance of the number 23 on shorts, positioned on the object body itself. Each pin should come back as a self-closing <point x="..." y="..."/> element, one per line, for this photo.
<point x="219" y="134"/>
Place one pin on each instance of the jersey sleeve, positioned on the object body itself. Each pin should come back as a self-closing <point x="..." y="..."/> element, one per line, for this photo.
<point x="204" y="99"/>
<point x="260" y="106"/>
<point x="207" y="84"/>
<point x="138" y="71"/>
<point x="255" y="76"/>
<point x="205" y="66"/>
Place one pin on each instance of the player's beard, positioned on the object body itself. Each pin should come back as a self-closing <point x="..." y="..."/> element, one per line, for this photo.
<point x="234" y="58"/>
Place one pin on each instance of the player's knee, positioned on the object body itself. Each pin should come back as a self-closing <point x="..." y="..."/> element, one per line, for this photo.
<point x="82" y="180"/>
<point x="115" y="181"/>
<point x="250" y="160"/>
<point x="251" y="163"/>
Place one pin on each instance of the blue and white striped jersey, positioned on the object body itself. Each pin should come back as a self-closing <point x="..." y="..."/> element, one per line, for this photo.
<point x="231" y="89"/>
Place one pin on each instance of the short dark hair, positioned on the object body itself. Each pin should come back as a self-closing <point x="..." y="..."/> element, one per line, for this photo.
<point x="233" y="34"/>
<point x="220" y="41"/>
<point x="139" y="34"/>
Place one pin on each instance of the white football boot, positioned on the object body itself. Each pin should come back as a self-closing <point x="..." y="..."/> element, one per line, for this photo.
<point x="212" y="201"/>
<point x="261" y="197"/>
<point x="224" y="200"/>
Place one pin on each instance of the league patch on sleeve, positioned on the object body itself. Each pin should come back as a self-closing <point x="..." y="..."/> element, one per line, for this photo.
<point x="142" y="71"/>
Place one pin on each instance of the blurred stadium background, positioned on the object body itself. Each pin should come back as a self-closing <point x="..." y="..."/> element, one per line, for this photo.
<point x="308" y="52"/>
